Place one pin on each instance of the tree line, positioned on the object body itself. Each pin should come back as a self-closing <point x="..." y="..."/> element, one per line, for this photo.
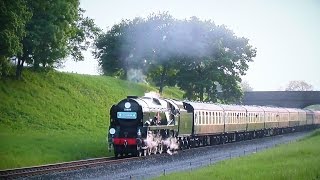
<point x="203" y="59"/>
<point x="42" y="33"/>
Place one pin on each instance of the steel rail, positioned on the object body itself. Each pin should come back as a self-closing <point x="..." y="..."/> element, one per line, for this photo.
<point x="58" y="167"/>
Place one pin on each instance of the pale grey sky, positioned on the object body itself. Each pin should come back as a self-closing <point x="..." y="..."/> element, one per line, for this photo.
<point x="286" y="33"/>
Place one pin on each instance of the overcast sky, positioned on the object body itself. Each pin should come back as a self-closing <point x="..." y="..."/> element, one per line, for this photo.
<point x="286" y="33"/>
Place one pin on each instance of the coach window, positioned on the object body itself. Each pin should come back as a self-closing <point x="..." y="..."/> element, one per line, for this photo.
<point x="202" y="118"/>
<point x="233" y="115"/>
<point x="243" y="118"/>
<point x="196" y="121"/>
<point x="232" y="118"/>
<point x="212" y="117"/>
<point x="266" y="116"/>
<point x="252" y="117"/>
<point x="206" y="118"/>
<point x="222" y="118"/>
<point x="217" y="117"/>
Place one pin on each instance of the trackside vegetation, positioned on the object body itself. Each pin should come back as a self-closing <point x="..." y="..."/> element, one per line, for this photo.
<point x="51" y="117"/>
<point x="299" y="160"/>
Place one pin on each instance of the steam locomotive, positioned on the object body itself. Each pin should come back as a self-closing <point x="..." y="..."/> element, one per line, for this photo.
<point x="144" y="125"/>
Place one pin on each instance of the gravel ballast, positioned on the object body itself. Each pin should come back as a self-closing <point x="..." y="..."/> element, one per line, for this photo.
<point x="187" y="160"/>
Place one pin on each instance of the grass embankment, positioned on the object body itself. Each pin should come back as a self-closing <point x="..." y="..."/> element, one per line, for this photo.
<point x="53" y="117"/>
<point x="299" y="160"/>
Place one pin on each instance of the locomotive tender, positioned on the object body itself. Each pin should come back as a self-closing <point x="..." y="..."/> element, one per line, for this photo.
<point x="141" y="125"/>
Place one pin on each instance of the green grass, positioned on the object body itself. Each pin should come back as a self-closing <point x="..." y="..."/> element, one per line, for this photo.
<point x="299" y="160"/>
<point x="315" y="107"/>
<point x="51" y="117"/>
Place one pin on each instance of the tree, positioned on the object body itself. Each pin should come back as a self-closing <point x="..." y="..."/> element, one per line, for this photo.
<point x="219" y="58"/>
<point x="13" y="18"/>
<point x="193" y="54"/>
<point x="299" y="86"/>
<point x="56" y="29"/>
<point x="245" y="86"/>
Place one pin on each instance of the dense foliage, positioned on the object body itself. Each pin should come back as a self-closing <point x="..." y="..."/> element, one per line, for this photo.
<point x="43" y="33"/>
<point x="13" y="18"/>
<point x="200" y="57"/>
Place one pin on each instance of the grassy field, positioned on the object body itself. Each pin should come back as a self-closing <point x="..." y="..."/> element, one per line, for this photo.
<point x="299" y="160"/>
<point x="51" y="117"/>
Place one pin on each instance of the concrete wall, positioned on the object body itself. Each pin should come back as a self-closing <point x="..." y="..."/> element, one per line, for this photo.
<point x="291" y="99"/>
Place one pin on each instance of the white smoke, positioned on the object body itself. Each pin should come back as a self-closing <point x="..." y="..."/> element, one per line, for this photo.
<point x="152" y="94"/>
<point x="163" y="41"/>
<point x="135" y="75"/>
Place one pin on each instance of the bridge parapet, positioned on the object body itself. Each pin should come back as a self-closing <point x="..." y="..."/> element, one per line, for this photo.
<point x="291" y="99"/>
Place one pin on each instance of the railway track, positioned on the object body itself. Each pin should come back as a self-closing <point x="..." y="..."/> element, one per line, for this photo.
<point x="58" y="167"/>
<point x="68" y="166"/>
